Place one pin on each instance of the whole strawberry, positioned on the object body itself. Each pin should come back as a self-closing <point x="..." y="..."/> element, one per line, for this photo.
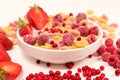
<point x="24" y="28"/>
<point x="37" y="17"/>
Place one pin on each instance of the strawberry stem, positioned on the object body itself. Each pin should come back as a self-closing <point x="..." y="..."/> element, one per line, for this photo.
<point x="3" y="74"/>
<point x="22" y="23"/>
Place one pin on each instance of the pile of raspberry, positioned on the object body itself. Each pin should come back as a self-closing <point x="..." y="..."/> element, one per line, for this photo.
<point x="110" y="53"/>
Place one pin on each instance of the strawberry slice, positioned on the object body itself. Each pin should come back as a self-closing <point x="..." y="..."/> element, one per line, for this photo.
<point x="9" y="70"/>
<point x="24" y="28"/>
<point x="37" y="17"/>
<point x="3" y="54"/>
<point x="5" y="41"/>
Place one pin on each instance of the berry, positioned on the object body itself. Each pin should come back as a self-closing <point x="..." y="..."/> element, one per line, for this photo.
<point x="58" y="17"/>
<point x="117" y="52"/>
<point x="118" y="64"/>
<point x="69" y="65"/>
<point x="91" y="38"/>
<point x="94" y="30"/>
<point x="109" y="42"/>
<point x="118" y="43"/>
<point x="42" y="39"/>
<point x="112" y="60"/>
<point x="68" y="39"/>
<point x="56" y="23"/>
<point x="78" y="38"/>
<point x="80" y="17"/>
<point x="101" y="50"/>
<point x="29" y="39"/>
<point x="110" y="49"/>
<point x="102" y="68"/>
<point x="105" y="56"/>
<point x="117" y="72"/>
<point x="84" y="31"/>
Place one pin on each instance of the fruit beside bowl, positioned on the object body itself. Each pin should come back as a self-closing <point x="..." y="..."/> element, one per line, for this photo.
<point x="58" y="39"/>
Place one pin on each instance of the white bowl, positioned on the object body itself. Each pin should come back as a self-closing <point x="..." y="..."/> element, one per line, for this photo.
<point x="59" y="56"/>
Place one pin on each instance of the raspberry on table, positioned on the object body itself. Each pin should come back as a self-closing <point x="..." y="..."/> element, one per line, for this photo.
<point x="109" y="42"/>
<point x="105" y="56"/>
<point x="112" y="60"/>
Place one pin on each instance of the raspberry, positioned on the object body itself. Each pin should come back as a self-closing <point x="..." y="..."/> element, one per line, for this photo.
<point x="68" y="39"/>
<point x="105" y="56"/>
<point x="29" y="39"/>
<point x="110" y="49"/>
<point x="84" y="31"/>
<point x="118" y="43"/>
<point x="118" y="64"/>
<point x="42" y="39"/>
<point x="80" y="17"/>
<point x="74" y="25"/>
<point x="55" y="23"/>
<point x="101" y="50"/>
<point x="117" y="52"/>
<point x="117" y="72"/>
<point x="94" y="30"/>
<point x="112" y="60"/>
<point x="91" y="38"/>
<point x="109" y="42"/>
<point x="58" y="17"/>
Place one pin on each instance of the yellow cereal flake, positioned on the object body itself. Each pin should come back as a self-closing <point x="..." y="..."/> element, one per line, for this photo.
<point x="50" y="17"/>
<point x="81" y="44"/>
<point x="75" y="33"/>
<point x="57" y="38"/>
<point x="102" y="20"/>
<point x="103" y="26"/>
<point x="47" y="46"/>
<point x="111" y="29"/>
<point x="64" y="15"/>
<point x="15" y="41"/>
<point x="90" y="12"/>
<point x="94" y="17"/>
<point x="110" y="35"/>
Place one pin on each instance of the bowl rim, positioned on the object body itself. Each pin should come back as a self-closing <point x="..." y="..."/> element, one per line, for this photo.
<point x="67" y="50"/>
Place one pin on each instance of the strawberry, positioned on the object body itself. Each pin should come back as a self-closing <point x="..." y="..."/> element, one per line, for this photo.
<point x="37" y="17"/>
<point x="24" y="28"/>
<point x="9" y="70"/>
<point x="3" y="54"/>
<point x="5" y="41"/>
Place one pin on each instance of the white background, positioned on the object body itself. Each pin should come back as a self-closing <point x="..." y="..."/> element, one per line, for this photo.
<point x="10" y="10"/>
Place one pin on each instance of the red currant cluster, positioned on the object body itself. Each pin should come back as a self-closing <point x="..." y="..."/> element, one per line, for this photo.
<point x="111" y="54"/>
<point x="87" y="72"/>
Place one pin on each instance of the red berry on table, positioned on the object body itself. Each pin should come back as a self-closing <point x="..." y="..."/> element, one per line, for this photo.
<point x="37" y="17"/>
<point x="101" y="50"/>
<point x="117" y="52"/>
<point x="109" y="42"/>
<point x="112" y="60"/>
<point x="110" y="49"/>
<point x="117" y="72"/>
<point x="105" y="56"/>
<point x="118" y="43"/>
<point x="118" y="64"/>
